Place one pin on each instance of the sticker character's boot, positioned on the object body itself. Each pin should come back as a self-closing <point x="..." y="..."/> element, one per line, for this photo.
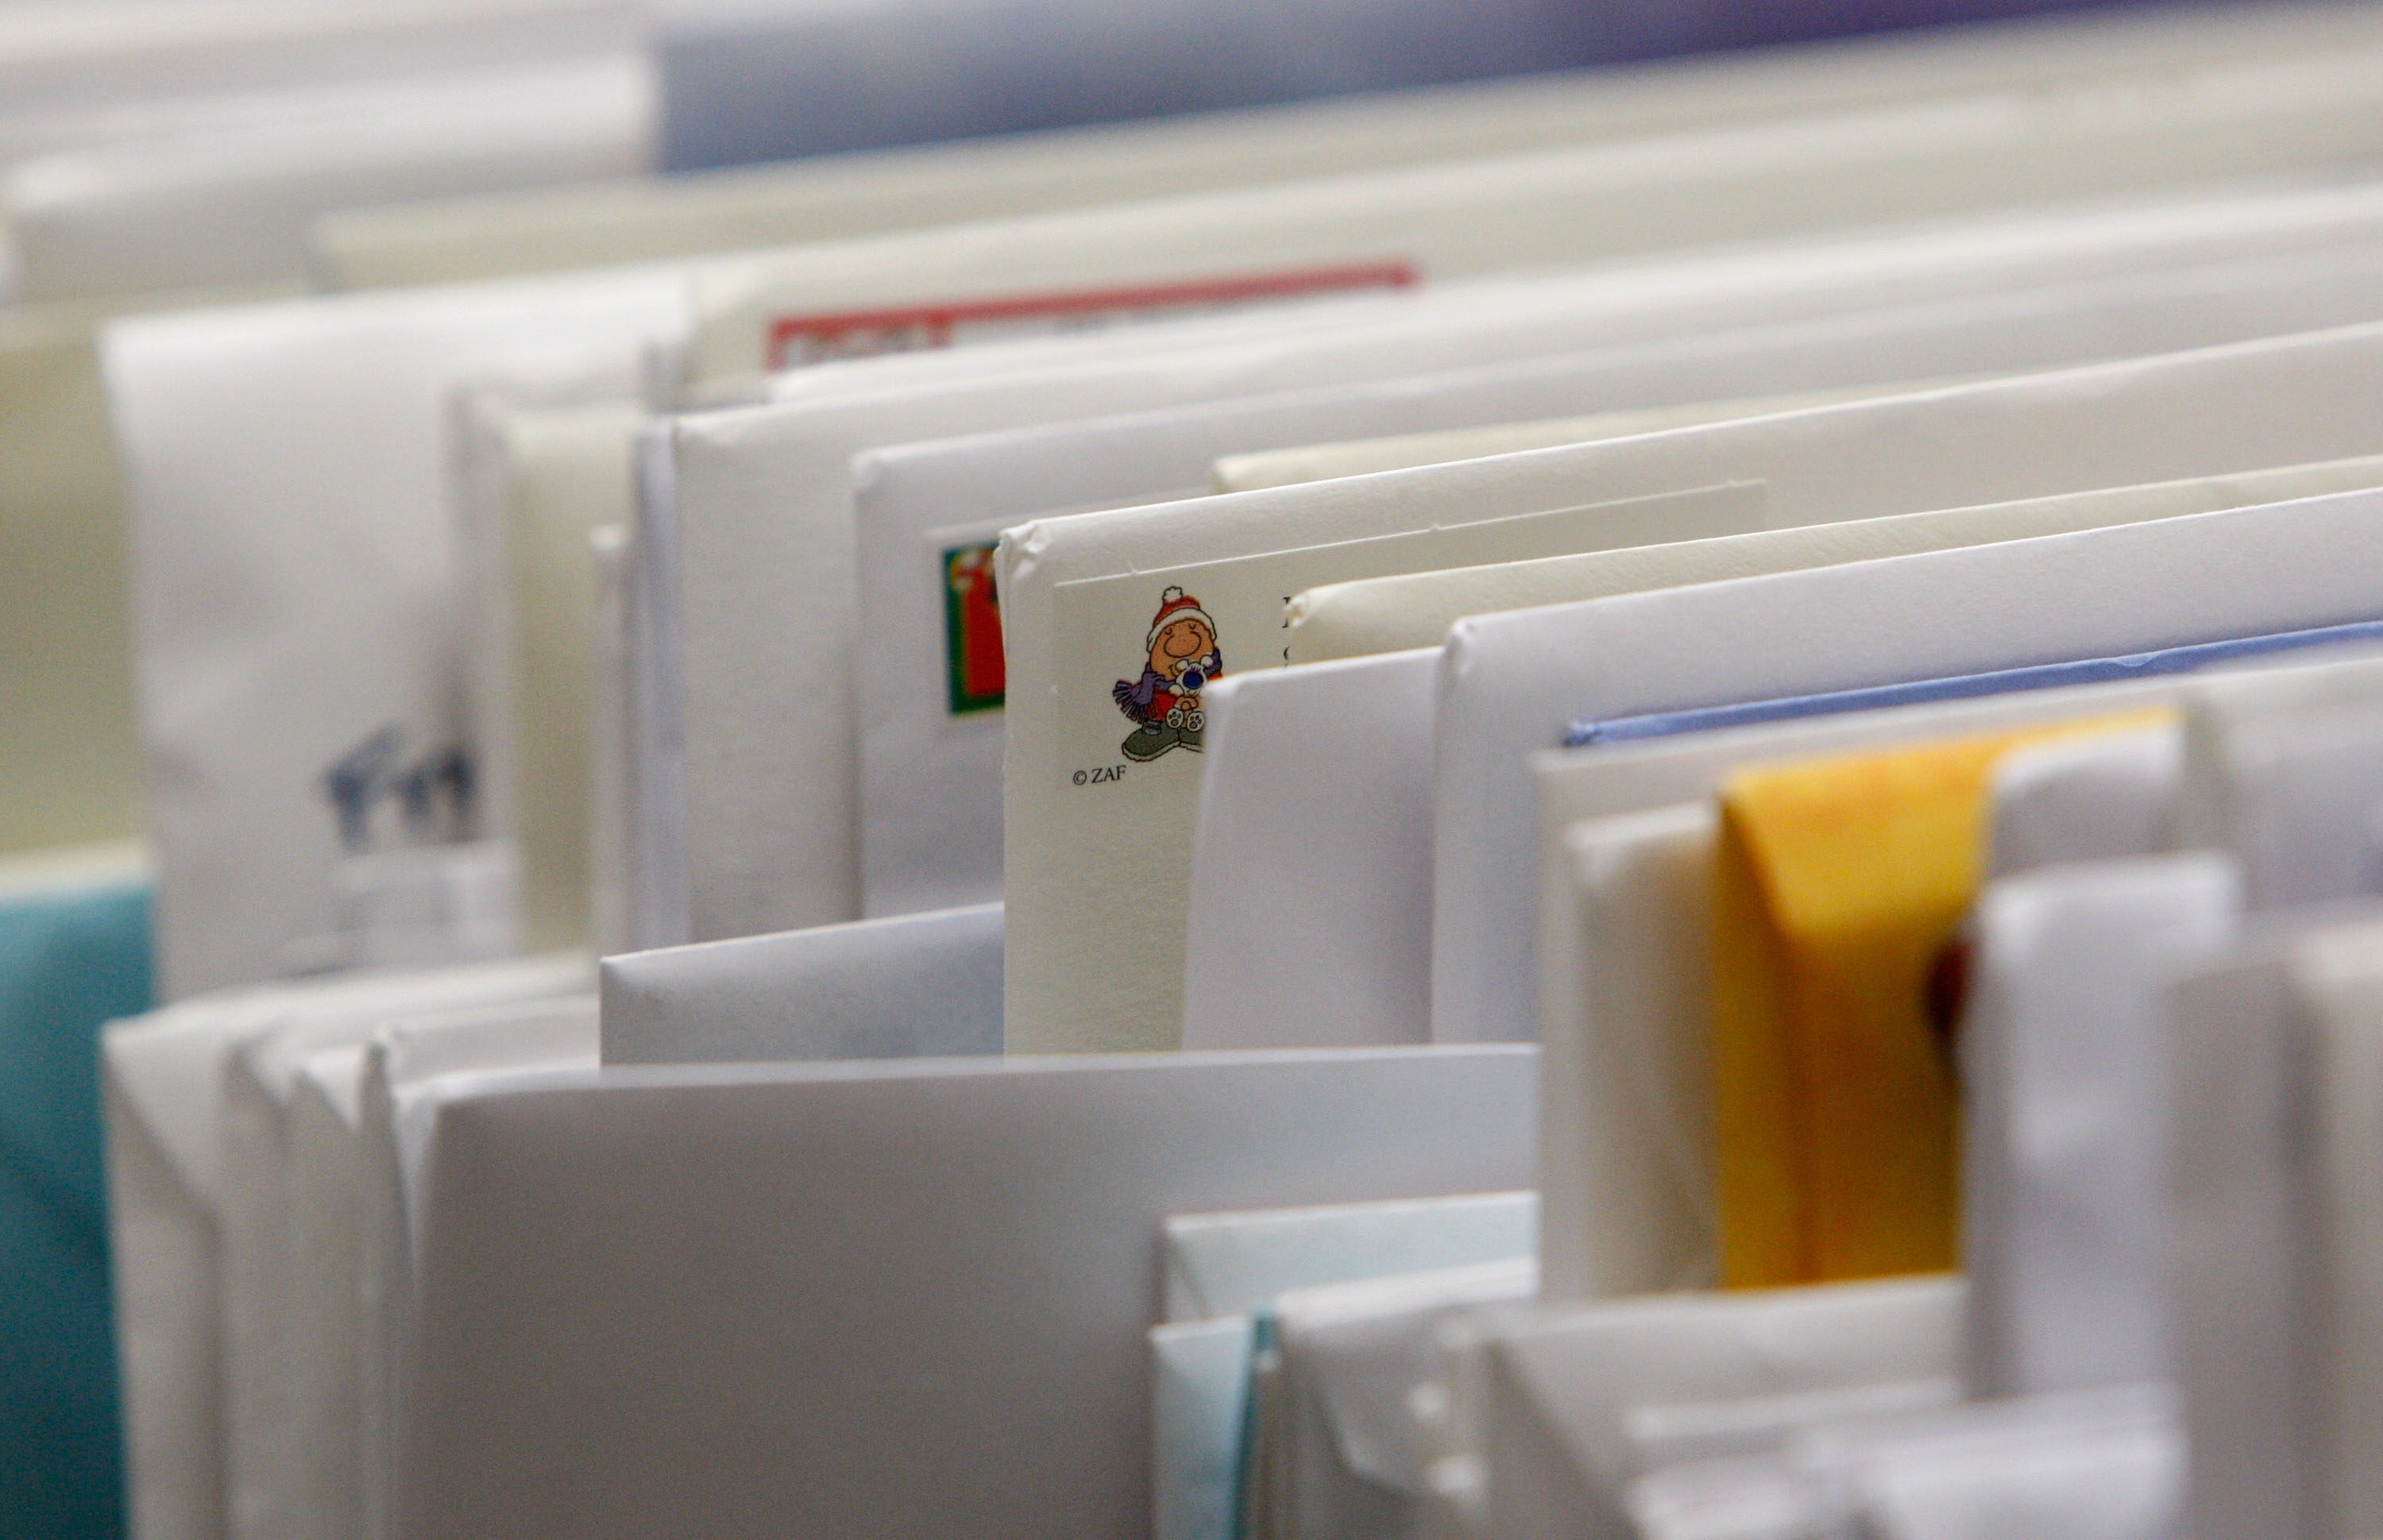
<point x="1195" y="724"/>
<point x="1149" y="741"/>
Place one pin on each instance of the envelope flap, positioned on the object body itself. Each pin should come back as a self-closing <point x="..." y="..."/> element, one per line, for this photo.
<point x="335" y="1076"/>
<point x="1364" y="1349"/>
<point x="1583" y="1369"/>
<point x="169" y="1066"/>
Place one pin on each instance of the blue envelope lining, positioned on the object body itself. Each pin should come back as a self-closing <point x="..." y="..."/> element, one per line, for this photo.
<point x="2041" y="676"/>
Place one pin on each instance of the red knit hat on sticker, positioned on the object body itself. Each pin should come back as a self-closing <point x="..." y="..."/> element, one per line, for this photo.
<point x="1175" y="605"/>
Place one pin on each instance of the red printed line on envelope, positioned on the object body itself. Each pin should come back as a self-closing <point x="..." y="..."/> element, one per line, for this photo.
<point x="862" y="332"/>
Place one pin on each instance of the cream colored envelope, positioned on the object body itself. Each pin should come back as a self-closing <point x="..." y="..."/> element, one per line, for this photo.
<point x="1393" y="613"/>
<point x="1103" y="773"/>
<point x="830" y="196"/>
<point x="1819" y="171"/>
<point x="72" y="769"/>
<point x="66" y="679"/>
<point x="1251" y="472"/>
<point x="559" y="476"/>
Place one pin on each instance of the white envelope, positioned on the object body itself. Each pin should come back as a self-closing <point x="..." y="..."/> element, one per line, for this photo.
<point x="1562" y="1384"/>
<point x="2065" y="1133"/>
<point x="824" y="196"/>
<point x="2081" y="1466"/>
<point x="2080" y="799"/>
<point x="167" y="1196"/>
<point x="2246" y="1325"/>
<point x="262" y="1188"/>
<point x="1517" y="681"/>
<point x="912" y="986"/>
<point x="2334" y="980"/>
<point x="2269" y="1191"/>
<point x="1625" y="1131"/>
<point x="404" y="1060"/>
<point x="1750" y="1498"/>
<point x="2067" y="1478"/>
<point x="658" y="905"/>
<point x="2279" y="771"/>
<point x="232" y="204"/>
<point x="2091" y="1465"/>
<point x="1275" y="902"/>
<point x="94" y="60"/>
<point x="321" y="1326"/>
<point x="1663" y="1433"/>
<point x="763" y="501"/>
<point x="877" y="1320"/>
<point x="240" y="430"/>
<point x="1821" y="171"/>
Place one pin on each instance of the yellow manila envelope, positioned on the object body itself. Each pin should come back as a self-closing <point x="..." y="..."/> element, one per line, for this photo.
<point x="1840" y="885"/>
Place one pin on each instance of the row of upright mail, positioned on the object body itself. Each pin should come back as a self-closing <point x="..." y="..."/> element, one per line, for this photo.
<point x="1637" y="804"/>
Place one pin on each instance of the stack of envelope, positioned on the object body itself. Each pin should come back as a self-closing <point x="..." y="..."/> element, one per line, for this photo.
<point x="1639" y="802"/>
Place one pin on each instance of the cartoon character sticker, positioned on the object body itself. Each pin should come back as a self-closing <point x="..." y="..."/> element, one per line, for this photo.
<point x="1164" y="702"/>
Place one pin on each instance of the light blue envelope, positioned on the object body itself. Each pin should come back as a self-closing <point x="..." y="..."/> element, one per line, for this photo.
<point x="1222" y="1269"/>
